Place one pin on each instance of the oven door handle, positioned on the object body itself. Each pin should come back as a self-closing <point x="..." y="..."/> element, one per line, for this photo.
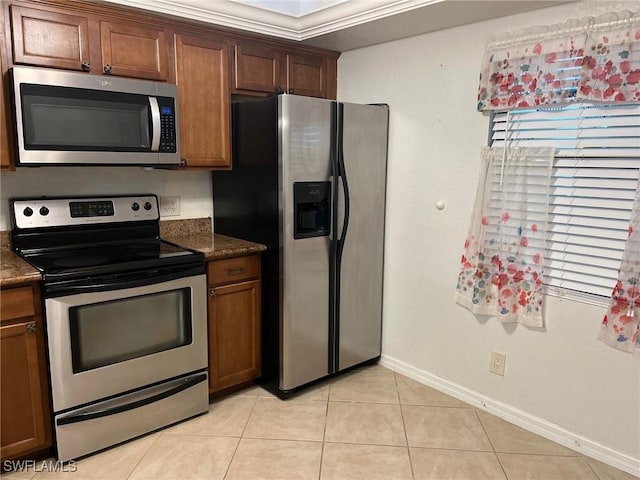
<point x="120" y="281"/>
<point x="82" y="417"/>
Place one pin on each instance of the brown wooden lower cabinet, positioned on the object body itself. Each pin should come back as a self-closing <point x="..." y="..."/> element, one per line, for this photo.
<point x="24" y="411"/>
<point x="234" y="322"/>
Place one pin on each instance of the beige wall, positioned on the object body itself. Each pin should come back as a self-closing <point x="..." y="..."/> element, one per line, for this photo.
<point x="561" y="375"/>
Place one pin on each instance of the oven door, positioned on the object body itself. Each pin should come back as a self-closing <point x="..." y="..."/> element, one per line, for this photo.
<point x="108" y="342"/>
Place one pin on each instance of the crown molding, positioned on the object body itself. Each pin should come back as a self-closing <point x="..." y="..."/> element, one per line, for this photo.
<point x="226" y="13"/>
<point x="351" y="14"/>
<point x="321" y="21"/>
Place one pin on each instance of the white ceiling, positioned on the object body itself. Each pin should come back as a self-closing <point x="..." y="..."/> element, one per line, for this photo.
<point x="293" y="8"/>
<point x="340" y="24"/>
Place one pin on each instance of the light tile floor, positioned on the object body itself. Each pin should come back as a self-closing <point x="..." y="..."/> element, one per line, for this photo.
<point x="369" y="424"/>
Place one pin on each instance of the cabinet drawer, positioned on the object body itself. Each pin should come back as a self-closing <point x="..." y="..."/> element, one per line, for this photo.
<point x="232" y="270"/>
<point x="16" y="303"/>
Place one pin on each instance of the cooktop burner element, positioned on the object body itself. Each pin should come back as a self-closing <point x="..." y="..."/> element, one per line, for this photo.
<point x="76" y="237"/>
<point x="72" y="261"/>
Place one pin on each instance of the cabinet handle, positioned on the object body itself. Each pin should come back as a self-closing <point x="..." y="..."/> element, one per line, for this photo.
<point x="235" y="271"/>
<point x="31" y="327"/>
<point x="86" y="66"/>
<point x="291" y="91"/>
<point x="212" y="292"/>
<point x="107" y="68"/>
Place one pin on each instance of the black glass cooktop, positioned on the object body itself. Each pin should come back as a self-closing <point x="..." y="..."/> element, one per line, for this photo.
<point x="112" y="257"/>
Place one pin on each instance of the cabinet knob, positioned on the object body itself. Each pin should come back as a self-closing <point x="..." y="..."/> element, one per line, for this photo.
<point x="86" y="66"/>
<point x="107" y="68"/>
<point x="291" y="91"/>
<point x="183" y="162"/>
<point x="31" y="327"/>
<point x="212" y="292"/>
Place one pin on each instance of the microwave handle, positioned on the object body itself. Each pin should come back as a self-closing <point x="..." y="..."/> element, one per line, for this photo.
<point x="155" y="124"/>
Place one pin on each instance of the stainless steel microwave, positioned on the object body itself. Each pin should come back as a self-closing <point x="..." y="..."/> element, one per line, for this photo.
<point x="67" y="118"/>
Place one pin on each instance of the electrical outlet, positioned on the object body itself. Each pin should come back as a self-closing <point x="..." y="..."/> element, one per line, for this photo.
<point x="169" y="206"/>
<point x="498" y="362"/>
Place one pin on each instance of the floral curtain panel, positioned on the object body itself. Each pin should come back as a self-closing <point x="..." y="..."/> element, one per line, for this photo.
<point x="501" y="270"/>
<point x="590" y="59"/>
<point x="621" y="324"/>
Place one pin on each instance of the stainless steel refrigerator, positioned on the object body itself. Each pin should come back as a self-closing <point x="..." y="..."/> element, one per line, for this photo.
<point x="309" y="181"/>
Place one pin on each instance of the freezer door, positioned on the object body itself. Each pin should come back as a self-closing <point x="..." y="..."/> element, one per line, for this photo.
<point x="304" y="149"/>
<point x="364" y="145"/>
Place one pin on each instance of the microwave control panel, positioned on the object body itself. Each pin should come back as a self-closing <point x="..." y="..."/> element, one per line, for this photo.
<point x="167" y="124"/>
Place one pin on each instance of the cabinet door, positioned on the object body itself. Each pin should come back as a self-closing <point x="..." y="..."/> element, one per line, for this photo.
<point x="4" y="142"/>
<point x="257" y="68"/>
<point x="23" y="417"/>
<point x="202" y="77"/>
<point x="306" y="75"/>
<point x="234" y="334"/>
<point x="133" y="50"/>
<point x="49" y="38"/>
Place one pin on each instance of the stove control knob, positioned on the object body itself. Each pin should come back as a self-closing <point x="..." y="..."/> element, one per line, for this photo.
<point x="27" y="212"/>
<point x="44" y="211"/>
<point x="135" y="207"/>
<point x="147" y="206"/>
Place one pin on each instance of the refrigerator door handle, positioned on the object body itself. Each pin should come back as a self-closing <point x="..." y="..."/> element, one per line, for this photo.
<point x="340" y="209"/>
<point x="343" y="178"/>
<point x="333" y="264"/>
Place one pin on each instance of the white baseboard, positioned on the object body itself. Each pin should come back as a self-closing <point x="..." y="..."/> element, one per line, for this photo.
<point x="518" y="417"/>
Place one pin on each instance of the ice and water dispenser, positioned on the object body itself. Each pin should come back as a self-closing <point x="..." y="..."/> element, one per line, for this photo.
<point x="311" y="209"/>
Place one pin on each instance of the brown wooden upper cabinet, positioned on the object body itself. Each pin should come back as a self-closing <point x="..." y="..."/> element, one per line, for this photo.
<point x="61" y="39"/>
<point x="5" y="161"/>
<point x="202" y="76"/>
<point x="130" y="50"/>
<point x="4" y="142"/>
<point x="257" y="68"/>
<point x="306" y="75"/>
<point x="50" y="38"/>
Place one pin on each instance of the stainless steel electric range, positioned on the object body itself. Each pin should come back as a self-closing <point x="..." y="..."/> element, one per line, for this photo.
<point x="125" y="317"/>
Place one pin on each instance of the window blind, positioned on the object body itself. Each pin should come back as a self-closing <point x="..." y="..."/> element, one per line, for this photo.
<point x="593" y="184"/>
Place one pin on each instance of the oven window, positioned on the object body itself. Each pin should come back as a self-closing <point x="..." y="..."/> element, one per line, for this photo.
<point x="115" y="331"/>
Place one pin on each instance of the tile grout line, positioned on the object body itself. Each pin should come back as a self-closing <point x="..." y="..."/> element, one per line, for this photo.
<point x="255" y="402"/>
<point x="491" y="443"/>
<point x="142" y="456"/>
<point x="592" y="469"/>
<point x="324" y="432"/>
<point x="404" y="426"/>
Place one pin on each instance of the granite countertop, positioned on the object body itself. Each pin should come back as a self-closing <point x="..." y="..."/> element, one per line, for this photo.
<point x="214" y="245"/>
<point x="196" y="234"/>
<point x="14" y="270"/>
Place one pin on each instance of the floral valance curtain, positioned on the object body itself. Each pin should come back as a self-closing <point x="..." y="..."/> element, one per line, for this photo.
<point x="621" y="324"/>
<point x="596" y="59"/>
<point x="501" y="270"/>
